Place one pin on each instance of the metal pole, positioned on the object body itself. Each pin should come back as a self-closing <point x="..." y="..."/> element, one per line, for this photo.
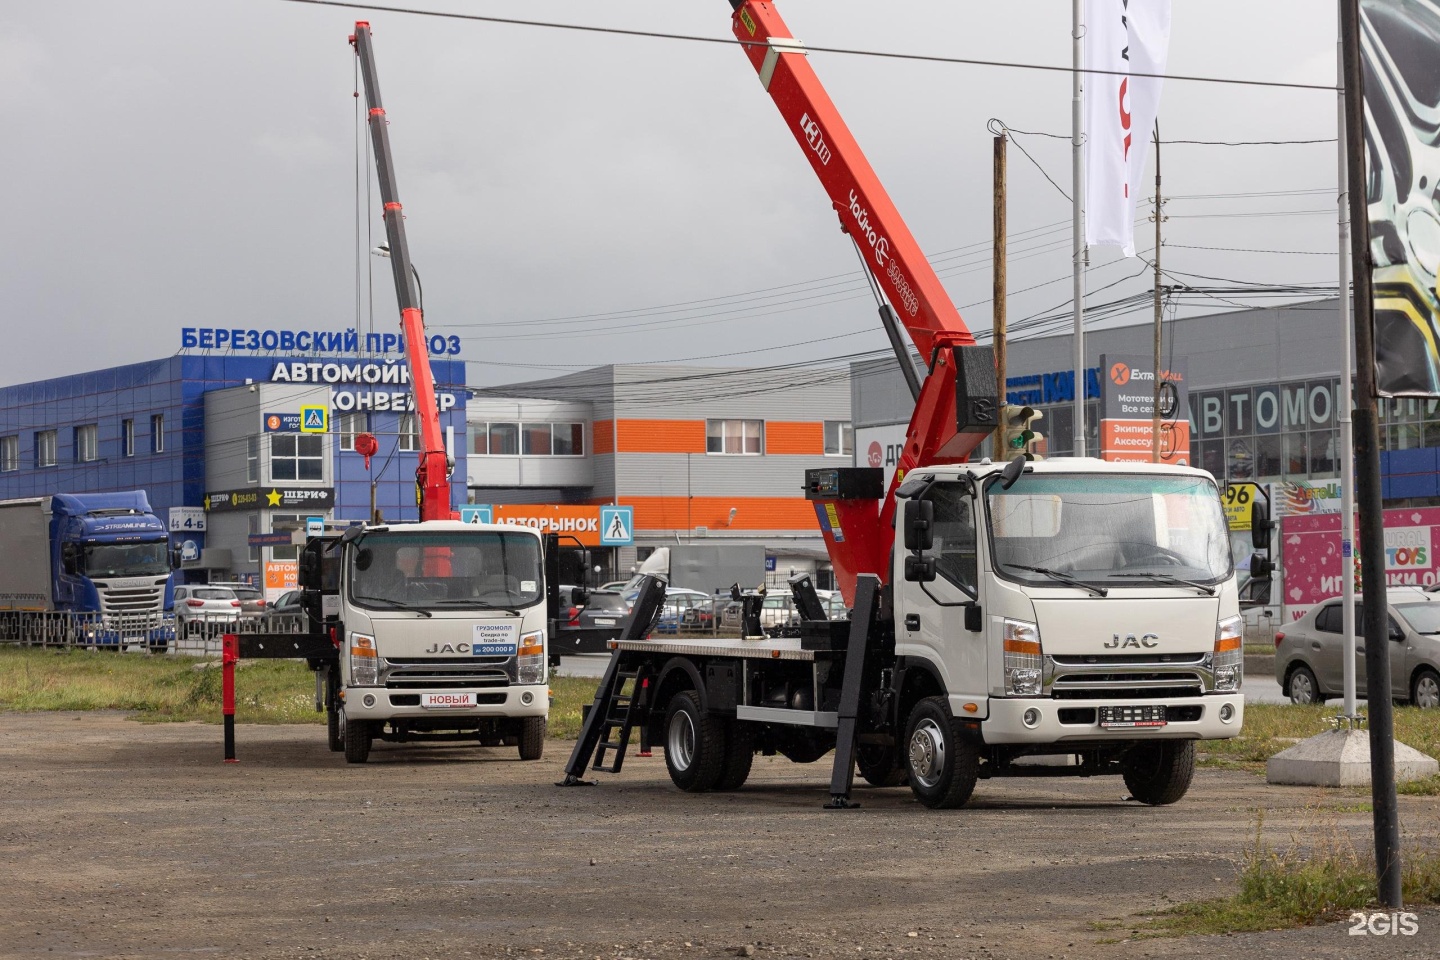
<point x="997" y="295"/>
<point x="1078" y="223"/>
<point x="1347" y="441"/>
<point x="1155" y="412"/>
<point x="1367" y="480"/>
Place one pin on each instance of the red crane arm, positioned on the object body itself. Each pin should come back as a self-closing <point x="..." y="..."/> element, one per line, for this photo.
<point x="432" y="476"/>
<point x="893" y="258"/>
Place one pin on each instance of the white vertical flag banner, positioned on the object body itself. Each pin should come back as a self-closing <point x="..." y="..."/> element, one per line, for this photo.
<point x="1127" y="36"/>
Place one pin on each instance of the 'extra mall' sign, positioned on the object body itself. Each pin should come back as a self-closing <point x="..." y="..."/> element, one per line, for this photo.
<point x="1127" y="410"/>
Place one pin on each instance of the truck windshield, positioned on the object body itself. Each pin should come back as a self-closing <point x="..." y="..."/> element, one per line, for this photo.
<point x="1116" y="529"/>
<point x="446" y="571"/>
<point x="127" y="559"/>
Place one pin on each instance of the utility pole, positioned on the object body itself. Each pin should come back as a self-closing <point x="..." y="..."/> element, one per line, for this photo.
<point x="1077" y="228"/>
<point x="1367" y="477"/>
<point x="997" y="295"/>
<point x="1155" y="411"/>
<point x="1347" y="441"/>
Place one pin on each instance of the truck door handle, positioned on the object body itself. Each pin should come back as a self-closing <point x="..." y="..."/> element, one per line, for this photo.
<point x="912" y="621"/>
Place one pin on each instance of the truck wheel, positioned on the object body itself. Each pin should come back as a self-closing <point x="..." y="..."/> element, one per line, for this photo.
<point x="532" y="738"/>
<point x="357" y="735"/>
<point x="879" y="766"/>
<point x="941" y="764"/>
<point x="694" y="744"/>
<point x="739" y="755"/>
<point x="1302" y="687"/>
<point x="1160" y="773"/>
<point x="1425" y="691"/>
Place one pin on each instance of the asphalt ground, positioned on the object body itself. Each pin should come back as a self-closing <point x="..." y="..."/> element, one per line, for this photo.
<point x="123" y="839"/>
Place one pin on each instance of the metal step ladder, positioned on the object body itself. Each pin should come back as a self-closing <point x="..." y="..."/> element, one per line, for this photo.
<point x="619" y="716"/>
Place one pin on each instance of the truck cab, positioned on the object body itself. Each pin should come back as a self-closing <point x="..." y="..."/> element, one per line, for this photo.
<point x="441" y="634"/>
<point x="1070" y="606"/>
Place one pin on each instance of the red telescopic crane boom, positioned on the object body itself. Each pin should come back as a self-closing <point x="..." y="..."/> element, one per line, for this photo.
<point x="893" y="257"/>
<point x="432" y="476"/>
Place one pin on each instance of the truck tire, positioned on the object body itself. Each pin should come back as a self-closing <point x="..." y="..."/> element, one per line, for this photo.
<point x="1160" y="773"/>
<point x="532" y="738"/>
<point x="879" y="766"/>
<point x="358" y="735"/>
<point x="941" y="763"/>
<point x="694" y="744"/>
<point x="739" y="756"/>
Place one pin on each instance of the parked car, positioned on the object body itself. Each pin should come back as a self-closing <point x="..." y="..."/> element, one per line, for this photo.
<point x="252" y="599"/>
<point x="196" y="603"/>
<point x="604" y="609"/>
<point x="590" y="628"/>
<point x="1309" y="656"/>
<point x="287" y="603"/>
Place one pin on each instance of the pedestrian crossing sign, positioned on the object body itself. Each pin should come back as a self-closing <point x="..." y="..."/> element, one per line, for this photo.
<point x="314" y="419"/>
<point x="617" y="526"/>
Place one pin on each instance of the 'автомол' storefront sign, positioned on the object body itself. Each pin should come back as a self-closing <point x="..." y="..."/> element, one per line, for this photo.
<point x="306" y="341"/>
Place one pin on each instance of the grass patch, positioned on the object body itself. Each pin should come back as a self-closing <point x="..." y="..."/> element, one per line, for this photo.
<point x="1429" y="787"/>
<point x="169" y="688"/>
<point x="1297" y="887"/>
<point x="1271" y="727"/>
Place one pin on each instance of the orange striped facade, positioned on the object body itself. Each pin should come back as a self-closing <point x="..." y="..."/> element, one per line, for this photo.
<point x="688" y="436"/>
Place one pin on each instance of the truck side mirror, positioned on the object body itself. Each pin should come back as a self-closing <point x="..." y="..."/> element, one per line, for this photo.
<point x="307" y="571"/>
<point x="1261" y="526"/>
<point x="919" y="569"/>
<point x="1262" y="568"/>
<point x="919" y="525"/>
<point x="176" y="558"/>
<point x="69" y="559"/>
<point x="579" y="596"/>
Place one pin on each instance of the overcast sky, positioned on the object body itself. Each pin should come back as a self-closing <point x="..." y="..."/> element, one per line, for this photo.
<point x="174" y="163"/>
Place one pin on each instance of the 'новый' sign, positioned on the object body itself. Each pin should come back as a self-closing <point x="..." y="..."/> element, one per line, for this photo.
<point x="1312" y="555"/>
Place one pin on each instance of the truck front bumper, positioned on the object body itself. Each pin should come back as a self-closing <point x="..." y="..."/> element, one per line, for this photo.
<point x="380" y="703"/>
<point x="1056" y="721"/>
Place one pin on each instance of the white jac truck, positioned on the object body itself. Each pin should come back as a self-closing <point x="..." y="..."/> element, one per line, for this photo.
<point x="1074" y="610"/>
<point x="424" y="631"/>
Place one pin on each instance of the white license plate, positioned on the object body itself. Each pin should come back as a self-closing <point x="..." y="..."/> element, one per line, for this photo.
<point x="604" y="623"/>
<point x="445" y="701"/>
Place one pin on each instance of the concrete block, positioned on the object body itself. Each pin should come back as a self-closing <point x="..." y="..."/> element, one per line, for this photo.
<point x="1341" y="758"/>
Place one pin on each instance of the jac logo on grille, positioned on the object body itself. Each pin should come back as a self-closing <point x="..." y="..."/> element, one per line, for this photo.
<point x="1146" y="640"/>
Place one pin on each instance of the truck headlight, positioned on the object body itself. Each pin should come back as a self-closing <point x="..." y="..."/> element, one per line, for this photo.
<point x="1228" y="661"/>
<point x="530" y="662"/>
<point x="1024" y="659"/>
<point x="364" y="661"/>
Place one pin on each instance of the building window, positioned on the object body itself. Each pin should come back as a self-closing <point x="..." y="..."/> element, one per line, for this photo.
<point x="45" y="448"/>
<point x="157" y="433"/>
<point x="281" y="522"/>
<point x="741" y="437"/>
<point x="409" y="432"/>
<point x="87" y="443"/>
<point x="349" y="426"/>
<point x="839" y="438"/>
<point x="536" y="439"/>
<point x="529" y="439"/>
<point x="252" y="459"/>
<point x="569" y="439"/>
<point x="296" y="456"/>
<point x="127" y="438"/>
<point x="9" y="454"/>
<point x="504" y="439"/>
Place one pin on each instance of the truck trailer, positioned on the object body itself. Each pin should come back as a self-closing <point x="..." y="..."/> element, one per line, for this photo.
<point x="92" y="568"/>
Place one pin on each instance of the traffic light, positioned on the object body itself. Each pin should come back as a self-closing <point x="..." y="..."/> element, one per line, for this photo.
<point x="1021" y="438"/>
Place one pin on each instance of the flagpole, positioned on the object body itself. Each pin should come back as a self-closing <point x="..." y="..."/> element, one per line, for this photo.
<point x="1078" y="224"/>
<point x="1347" y="439"/>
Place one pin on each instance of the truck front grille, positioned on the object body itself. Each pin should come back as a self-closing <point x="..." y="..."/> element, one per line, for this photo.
<point x="450" y="673"/>
<point x="1146" y="676"/>
<point x="123" y="600"/>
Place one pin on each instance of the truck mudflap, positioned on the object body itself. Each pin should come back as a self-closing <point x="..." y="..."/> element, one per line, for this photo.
<point x="1039" y="721"/>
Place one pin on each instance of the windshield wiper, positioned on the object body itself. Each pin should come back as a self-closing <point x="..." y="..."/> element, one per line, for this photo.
<point x="475" y="605"/>
<point x="1209" y="591"/>
<point x="1062" y="577"/>
<point x="394" y="605"/>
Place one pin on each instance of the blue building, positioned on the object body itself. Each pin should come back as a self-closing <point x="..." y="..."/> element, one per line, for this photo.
<point x="218" y="442"/>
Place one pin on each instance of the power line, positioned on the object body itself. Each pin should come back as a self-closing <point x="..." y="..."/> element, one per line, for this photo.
<point x="847" y="51"/>
<point x="1298" y="253"/>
